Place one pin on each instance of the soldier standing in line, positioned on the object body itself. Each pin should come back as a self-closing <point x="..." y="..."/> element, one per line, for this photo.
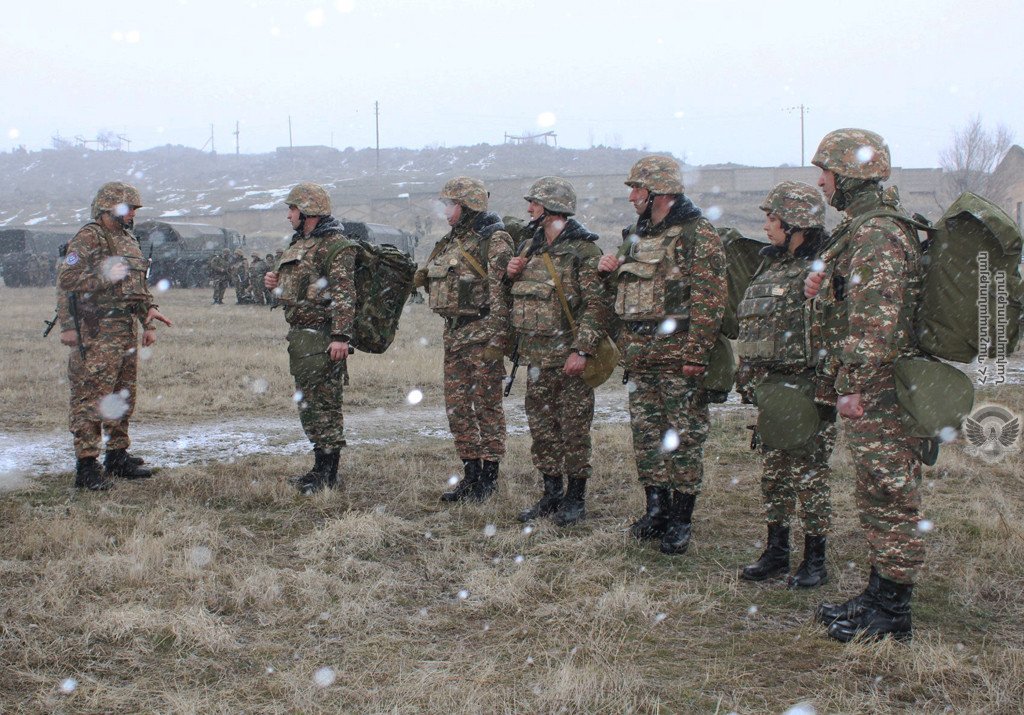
<point x="560" y="262"/>
<point x="269" y="298"/>
<point x="240" y="277"/>
<point x="102" y="297"/>
<point x="865" y="299"/>
<point x="776" y="351"/>
<point x="465" y="279"/>
<point x="257" y="269"/>
<point x="315" y="282"/>
<point x="670" y="292"/>
<point x="220" y="275"/>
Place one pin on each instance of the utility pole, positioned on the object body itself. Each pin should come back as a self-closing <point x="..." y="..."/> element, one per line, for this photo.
<point x="802" y="110"/>
<point x="376" y="116"/>
<point x="213" y="149"/>
<point x="236" y="133"/>
<point x="290" y="145"/>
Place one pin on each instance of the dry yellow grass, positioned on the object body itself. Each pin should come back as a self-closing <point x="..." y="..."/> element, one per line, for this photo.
<point x="214" y="588"/>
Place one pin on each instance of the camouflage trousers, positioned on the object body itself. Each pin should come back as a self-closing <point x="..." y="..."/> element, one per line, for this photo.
<point x="888" y="485"/>
<point x="472" y="398"/>
<point x="220" y="285"/>
<point x="103" y="386"/>
<point x="791" y="481"/>
<point x="669" y="420"/>
<point x="320" y="408"/>
<point x="559" y="410"/>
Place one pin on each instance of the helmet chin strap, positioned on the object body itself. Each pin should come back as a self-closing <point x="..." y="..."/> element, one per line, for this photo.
<point x="535" y="223"/>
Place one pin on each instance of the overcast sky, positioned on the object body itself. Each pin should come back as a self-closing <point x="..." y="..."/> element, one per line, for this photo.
<point x="709" y="81"/>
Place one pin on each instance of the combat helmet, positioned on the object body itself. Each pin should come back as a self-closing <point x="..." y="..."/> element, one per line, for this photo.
<point x="554" y="194"/>
<point x="113" y="195"/>
<point x="854" y="154"/>
<point x="468" y="192"/>
<point x="796" y="204"/>
<point x="657" y="174"/>
<point x="310" y="199"/>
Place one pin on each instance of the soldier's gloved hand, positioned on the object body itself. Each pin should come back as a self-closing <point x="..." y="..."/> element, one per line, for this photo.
<point x="493" y="352"/>
<point x="419" y="278"/>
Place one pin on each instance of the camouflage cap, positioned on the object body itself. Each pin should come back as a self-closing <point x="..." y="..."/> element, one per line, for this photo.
<point x="310" y="199"/>
<point x="657" y="174"/>
<point x="796" y="204"/>
<point x="555" y="194"/>
<point x="113" y="195"/>
<point x="471" y="193"/>
<point x="239" y="253"/>
<point x="855" y="154"/>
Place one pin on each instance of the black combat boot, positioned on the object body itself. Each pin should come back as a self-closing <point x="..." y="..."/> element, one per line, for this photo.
<point x="487" y="484"/>
<point x="119" y="464"/>
<point x="572" y="509"/>
<point x="812" y="572"/>
<point x="320" y="475"/>
<point x="652" y="524"/>
<point x="775" y="559"/>
<point x="465" y="487"/>
<point x="88" y="475"/>
<point x="829" y="613"/>
<point x="549" y="501"/>
<point x="676" y="539"/>
<point x="885" y="612"/>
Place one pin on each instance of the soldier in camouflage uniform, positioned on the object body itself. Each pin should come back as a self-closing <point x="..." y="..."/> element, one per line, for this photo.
<point x="220" y="275"/>
<point x="670" y="292"/>
<point x="102" y="296"/>
<point x="774" y="343"/>
<point x="559" y="404"/>
<point x="240" y="277"/>
<point x="864" y="301"/>
<point x="465" y="280"/>
<point x="257" y="269"/>
<point x="315" y="282"/>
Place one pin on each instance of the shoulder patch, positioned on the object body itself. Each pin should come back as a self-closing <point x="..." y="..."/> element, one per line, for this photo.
<point x="71" y="259"/>
<point x="717" y="261"/>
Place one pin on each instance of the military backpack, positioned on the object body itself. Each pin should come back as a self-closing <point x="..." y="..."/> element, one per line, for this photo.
<point x="383" y="280"/>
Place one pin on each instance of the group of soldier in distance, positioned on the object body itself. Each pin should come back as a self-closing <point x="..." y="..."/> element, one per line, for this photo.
<point x="246" y="276"/>
<point x="825" y="312"/>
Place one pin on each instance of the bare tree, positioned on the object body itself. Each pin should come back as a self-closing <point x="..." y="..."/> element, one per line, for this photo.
<point x="970" y="161"/>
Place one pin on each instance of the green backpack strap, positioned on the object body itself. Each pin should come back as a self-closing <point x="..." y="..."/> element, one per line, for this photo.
<point x="332" y="252"/>
<point x="918" y="223"/>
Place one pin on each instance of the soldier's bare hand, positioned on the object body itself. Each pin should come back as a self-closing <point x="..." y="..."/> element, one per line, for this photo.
<point x="609" y="263"/>
<point x="693" y="370"/>
<point x="270" y="280"/>
<point x="849" y="406"/>
<point x="812" y="284"/>
<point x="148" y="337"/>
<point x="69" y="338"/>
<point x="515" y="266"/>
<point x="575" y="364"/>
<point x="337" y="349"/>
<point x="155" y="314"/>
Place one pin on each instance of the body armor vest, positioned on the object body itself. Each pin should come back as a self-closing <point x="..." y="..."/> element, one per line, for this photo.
<point x="651" y="286"/>
<point x="773" y="316"/>
<point x="536" y="307"/>
<point x="456" y="288"/>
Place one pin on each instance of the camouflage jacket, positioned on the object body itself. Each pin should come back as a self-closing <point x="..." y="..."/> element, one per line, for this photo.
<point x="219" y="268"/>
<point x="85" y="271"/>
<point x="866" y="303"/>
<point x="311" y="297"/>
<point x="686" y="281"/>
<point x="475" y="308"/>
<point x="545" y="336"/>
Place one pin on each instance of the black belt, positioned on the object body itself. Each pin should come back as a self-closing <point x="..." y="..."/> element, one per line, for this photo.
<point x="651" y="327"/>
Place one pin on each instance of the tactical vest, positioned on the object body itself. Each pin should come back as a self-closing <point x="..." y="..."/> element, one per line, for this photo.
<point x="300" y="280"/>
<point x="456" y="287"/>
<point x="831" y="301"/>
<point x="133" y="288"/>
<point x="772" y="316"/>
<point x="651" y="286"/>
<point x="536" y="307"/>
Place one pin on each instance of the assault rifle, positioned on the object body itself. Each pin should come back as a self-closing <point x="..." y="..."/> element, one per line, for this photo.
<point x="514" y="357"/>
<point x="50" y="323"/>
<point x="73" y="309"/>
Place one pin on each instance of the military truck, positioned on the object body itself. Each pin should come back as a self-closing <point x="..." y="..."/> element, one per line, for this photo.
<point x="378" y="233"/>
<point x="28" y="256"/>
<point x="181" y="251"/>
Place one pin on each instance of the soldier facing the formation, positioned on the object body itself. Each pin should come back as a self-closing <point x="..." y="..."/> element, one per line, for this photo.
<point x="240" y="277"/>
<point x="220" y="275"/>
<point x="315" y="282"/>
<point x="102" y="296"/>
<point x="864" y="302"/>
<point x="776" y="373"/>
<point x="257" y="269"/>
<point x="560" y="312"/>
<point x="670" y="292"/>
<point x="465" y="279"/>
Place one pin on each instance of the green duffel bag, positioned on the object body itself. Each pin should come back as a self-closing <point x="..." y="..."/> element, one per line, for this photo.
<point x="308" y="359"/>
<point x="720" y="374"/>
<point x="933" y="396"/>
<point x="787" y="416"/>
